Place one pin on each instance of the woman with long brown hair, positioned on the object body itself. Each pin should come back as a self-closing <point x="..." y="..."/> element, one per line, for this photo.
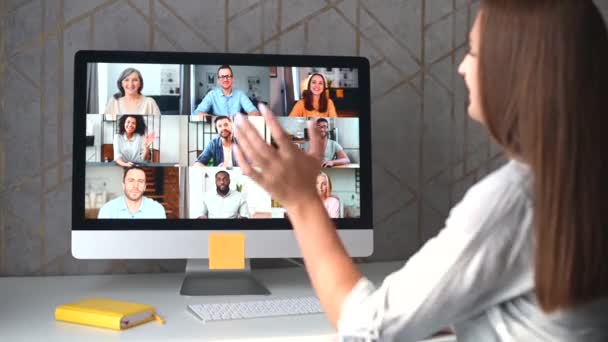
<point x="523" y="256"/>
<point x="315" y="102"/>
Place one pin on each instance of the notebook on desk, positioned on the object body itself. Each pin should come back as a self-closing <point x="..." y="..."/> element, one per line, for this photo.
<point x="106" y="313"/>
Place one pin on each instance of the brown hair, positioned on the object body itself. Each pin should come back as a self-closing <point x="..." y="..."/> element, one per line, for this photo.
<point x="308" y="103"/>
<point x="543" y="73"/>
<point x="224" y="66"/>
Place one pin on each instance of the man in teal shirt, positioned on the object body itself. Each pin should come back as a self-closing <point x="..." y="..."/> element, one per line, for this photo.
<point x="133" y="204"/>
<point x="224" y="100"/>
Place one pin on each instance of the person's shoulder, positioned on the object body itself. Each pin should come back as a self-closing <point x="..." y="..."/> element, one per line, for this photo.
<point x="112" y="203"/>
<point x="153" y="203"/>
<point x="299" y="105"/>
<point x="500" y="201"/>
<point x="335" y="143"/>
<point x="239" y="92"/>
<point x="235" y="193"/>
<point x="113" y="100"/>
<point x="512" y="176"/>
<point x="207" y="195"/>
<point x="333" y="200"/>
<point x="149" y="100"/>
<point x="112" y="105"/>
<point x="212" y="92"/>
<point x="215" y="140"/>
<point x="499" y="195"/>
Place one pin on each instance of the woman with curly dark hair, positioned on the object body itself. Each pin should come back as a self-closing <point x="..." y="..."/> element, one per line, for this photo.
<point x="131" y="144"/>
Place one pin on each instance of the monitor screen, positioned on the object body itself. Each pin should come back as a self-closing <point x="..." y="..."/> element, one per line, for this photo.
<point x="154" y="135"/>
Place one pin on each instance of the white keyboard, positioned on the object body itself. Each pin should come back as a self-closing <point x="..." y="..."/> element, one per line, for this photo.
<point x="270" y="307"/>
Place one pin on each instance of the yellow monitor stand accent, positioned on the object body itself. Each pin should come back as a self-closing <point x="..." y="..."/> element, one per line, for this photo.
<point x="227" y="251"/>
<point x="225" y="273"/>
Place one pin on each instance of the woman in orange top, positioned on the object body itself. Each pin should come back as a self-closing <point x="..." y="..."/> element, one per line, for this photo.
<point x="315" y="102"/>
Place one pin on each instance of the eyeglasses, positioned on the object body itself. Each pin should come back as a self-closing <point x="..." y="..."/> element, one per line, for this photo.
<point x="224" y="77"/>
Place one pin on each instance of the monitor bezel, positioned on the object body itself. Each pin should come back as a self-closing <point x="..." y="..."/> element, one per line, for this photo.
<point x="83" y="57"/>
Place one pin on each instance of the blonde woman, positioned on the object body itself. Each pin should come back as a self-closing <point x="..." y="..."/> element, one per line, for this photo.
<point x="331" y="203"/>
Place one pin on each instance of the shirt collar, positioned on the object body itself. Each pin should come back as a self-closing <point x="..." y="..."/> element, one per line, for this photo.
<point x="124" y="136"/>
<point x="230" y="193"/>
<point x="123" y="205"/>
<point x="221" y="92"/>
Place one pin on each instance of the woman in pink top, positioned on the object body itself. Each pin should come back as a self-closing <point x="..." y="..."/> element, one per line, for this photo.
<point x="332" y="204"/>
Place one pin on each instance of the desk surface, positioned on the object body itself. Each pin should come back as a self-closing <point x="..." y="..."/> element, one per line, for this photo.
<point x="27" y="308"/>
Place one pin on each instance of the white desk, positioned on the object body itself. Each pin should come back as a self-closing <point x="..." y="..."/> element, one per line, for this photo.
<point x="27" y="308"/>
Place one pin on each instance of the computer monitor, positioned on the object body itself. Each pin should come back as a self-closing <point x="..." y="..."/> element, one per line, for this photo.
<point x="153" y="180"/>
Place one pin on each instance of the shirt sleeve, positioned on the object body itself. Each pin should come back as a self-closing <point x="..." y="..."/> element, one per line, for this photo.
<point x="141" y="146"/>
<point x="103" y="212"/>
<point x="111" y="107"/>
<point x="331" y="109"/>
<point x="333" y="207"/>
<point x="153" y="106"/>
<point x="207" y="153"/>
<point x="335" y="148"/>
<point x="243" y="209"/>
<point x="246" y="103"/>
<point x="477" y="261"/>
<point x="338" y="147"/>
<point x="298" y="109"/>
<point x="117" y="151"/>
<point x="205" y="104"/>
<point x="204" y="211"/>
<point x="160" y="211"/>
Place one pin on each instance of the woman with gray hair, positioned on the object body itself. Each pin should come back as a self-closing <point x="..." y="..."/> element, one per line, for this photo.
<point x="129" y="99"/>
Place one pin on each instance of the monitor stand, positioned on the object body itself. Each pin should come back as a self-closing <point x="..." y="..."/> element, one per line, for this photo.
<point x="201" y="281"/>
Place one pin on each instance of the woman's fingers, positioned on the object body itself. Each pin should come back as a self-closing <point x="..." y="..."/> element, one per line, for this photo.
<point x="253" y="146"/>
<point x="315" y="142"/>
<point x="246" y="167"/>
<point x="277" y="132"/>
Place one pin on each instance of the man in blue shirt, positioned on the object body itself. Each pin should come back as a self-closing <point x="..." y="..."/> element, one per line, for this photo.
<point x="133" y="204"/>
<point x="220" y="147"/>
<point x="224" y="100"/>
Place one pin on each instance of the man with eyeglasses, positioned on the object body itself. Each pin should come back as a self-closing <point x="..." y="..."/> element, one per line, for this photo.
<point x="224" y="100"/>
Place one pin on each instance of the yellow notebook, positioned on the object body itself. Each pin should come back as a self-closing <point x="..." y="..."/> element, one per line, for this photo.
<point x="106" y="313"/>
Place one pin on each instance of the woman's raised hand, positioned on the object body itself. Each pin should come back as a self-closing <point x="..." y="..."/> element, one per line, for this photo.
<point x="286" y="172"/>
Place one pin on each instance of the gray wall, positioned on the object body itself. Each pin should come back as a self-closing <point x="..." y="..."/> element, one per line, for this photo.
<point x="418" y="104"/>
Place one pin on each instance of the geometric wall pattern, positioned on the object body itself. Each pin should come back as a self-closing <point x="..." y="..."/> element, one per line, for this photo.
<point x="426" y="152"/>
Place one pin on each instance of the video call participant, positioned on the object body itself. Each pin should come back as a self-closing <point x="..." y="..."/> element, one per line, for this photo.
<point x="132" y="204"/>
<point x="219" y="148"/>
<point x="223" y="203"/>
<point x="334" y="154"/>
<point x="131" y="144"/>
<point x="331" y="203"/>
<point x="129" y="99"/>
<point x="315" y="102"/>
<point x="224" y="99"/>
